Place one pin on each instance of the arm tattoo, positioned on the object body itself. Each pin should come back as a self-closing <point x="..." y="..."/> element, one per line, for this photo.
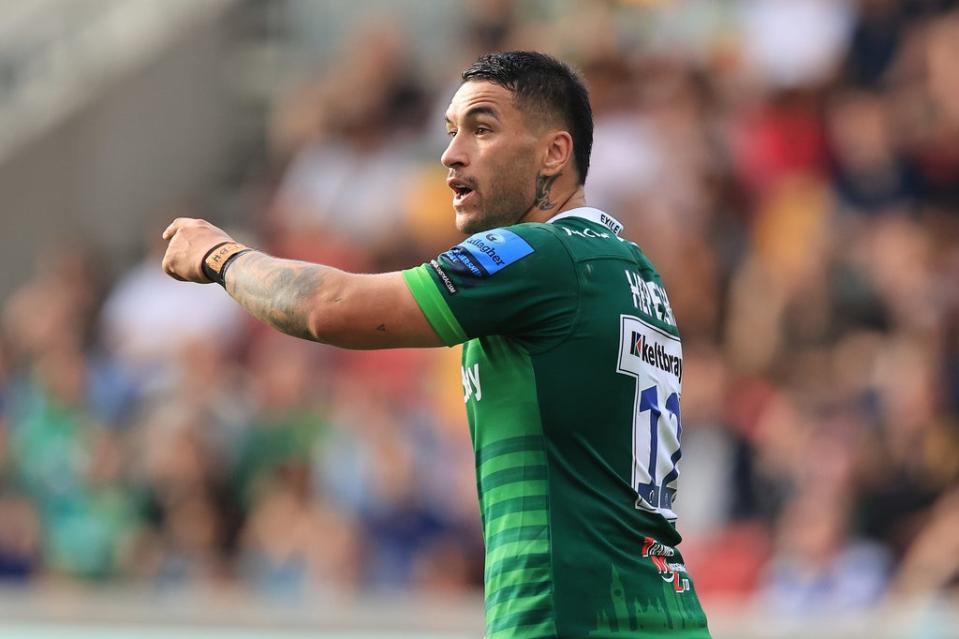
<point x="543" y="184"/>
<point x="277" y="291"/>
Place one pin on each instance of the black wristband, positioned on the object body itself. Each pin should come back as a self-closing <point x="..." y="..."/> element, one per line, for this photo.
<point x="211" y="274"/>
<point x="222" y="279"/>
<point x="215" y="261"/>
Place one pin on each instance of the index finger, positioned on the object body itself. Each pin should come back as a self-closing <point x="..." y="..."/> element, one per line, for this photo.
<point x="173" y="228"/>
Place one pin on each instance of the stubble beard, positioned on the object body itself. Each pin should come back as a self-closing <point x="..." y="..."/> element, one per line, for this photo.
<point x="511" y="195"/>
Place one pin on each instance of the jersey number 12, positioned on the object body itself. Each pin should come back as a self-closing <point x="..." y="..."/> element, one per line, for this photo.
<point x="654" y="359"/>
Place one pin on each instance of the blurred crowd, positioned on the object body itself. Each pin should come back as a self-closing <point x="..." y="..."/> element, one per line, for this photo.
<point x="791" y="167"/>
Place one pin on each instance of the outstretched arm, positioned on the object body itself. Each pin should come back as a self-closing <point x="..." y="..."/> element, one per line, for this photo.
<point x="306" y="300"/>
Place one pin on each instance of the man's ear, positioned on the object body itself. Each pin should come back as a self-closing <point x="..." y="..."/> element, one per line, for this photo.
<point x="558" y="152"/>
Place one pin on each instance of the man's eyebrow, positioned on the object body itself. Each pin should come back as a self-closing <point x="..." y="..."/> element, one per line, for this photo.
<point x="477" y="111"/>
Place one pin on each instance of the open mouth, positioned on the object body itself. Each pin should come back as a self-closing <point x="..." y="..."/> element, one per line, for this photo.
<point x="461" y="190"/>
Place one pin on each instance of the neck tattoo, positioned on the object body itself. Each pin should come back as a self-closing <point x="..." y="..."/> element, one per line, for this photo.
<point x="543" y="184"/>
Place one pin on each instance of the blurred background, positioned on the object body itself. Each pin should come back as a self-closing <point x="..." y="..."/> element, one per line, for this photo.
<point x="168" y="465"/>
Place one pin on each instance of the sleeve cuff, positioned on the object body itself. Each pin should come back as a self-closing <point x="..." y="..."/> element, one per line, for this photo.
<point x="434" y="307"/>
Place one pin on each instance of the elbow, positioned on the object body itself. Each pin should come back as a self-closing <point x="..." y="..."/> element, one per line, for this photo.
<point x="315" y="328"/>
<point x="327" y="319"/>
<point x="345" y="314"/>
<point x="322" y="325"/>
<point x="337" y="329"/>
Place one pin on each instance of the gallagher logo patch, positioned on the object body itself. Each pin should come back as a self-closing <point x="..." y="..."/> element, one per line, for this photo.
<point x="486" y="253"/>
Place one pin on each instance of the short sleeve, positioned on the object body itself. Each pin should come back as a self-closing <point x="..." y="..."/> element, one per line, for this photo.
<point x="518" y="281"/>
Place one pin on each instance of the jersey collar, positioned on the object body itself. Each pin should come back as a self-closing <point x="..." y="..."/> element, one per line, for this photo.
<point x="593" y="215"/>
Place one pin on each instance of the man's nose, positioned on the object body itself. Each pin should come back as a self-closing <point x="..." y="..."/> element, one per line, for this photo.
<point x="454" y="155"/>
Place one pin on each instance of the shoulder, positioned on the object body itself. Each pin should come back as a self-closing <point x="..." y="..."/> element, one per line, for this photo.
<point x="587" y="239"/>
<point x="502" y="247"/>
<point x="543" y="237"/>
<point x="534" y="232"/>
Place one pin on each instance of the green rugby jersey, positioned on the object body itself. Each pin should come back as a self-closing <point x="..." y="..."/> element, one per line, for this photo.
<point x="572" y="370"/>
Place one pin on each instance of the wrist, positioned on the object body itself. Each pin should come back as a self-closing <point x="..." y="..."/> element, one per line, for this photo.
<point x="218" y="259"/>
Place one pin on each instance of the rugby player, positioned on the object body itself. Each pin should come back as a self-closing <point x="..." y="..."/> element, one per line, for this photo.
<point x="572" y="363"/>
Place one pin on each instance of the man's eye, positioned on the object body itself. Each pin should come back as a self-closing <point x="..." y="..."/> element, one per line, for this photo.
<point x="480" y="130"/>
<point x="451" y="133"/>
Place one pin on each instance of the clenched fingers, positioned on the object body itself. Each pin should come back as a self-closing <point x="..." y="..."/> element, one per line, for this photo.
<point x="190" y="240"/>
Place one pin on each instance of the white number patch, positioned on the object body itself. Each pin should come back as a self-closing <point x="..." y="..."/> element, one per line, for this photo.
<point x="655" y="360"/>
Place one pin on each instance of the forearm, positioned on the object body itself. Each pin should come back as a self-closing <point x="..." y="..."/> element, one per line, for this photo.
<point x="283" y="293"/>
<point x="305" y="300"/>
<point x="327" y="305"/>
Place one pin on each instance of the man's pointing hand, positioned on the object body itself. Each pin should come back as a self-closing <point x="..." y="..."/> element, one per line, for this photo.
<point x="190" y="240"/>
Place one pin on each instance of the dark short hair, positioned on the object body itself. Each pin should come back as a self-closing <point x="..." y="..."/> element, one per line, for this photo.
<point x="541" y="83"/>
